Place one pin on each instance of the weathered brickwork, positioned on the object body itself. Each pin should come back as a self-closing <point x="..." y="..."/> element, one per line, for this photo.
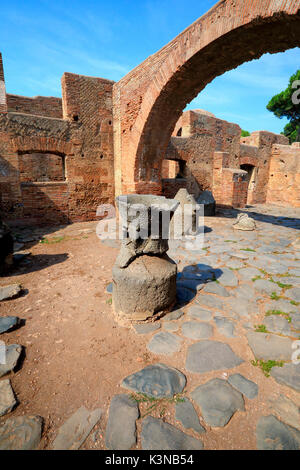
<point x="284" y="181"/>
<point x="149" y="100"/>
<point x="214" y="155"/>
<point x="57" y="168"/>
<point x="39" y="105"/>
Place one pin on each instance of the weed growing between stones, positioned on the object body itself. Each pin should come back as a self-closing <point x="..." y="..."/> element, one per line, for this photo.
<point x="261" y="329"/>
<point x="248" y="249"/>
<point x="156" y="404"/>
<point x="51" y="241"/>
<point x="274" y="296"/>
<point x="267" y="366"/>
<point x="280" y="313"/>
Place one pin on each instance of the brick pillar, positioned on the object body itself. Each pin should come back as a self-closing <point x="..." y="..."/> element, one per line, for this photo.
<point x="3" y="100"/>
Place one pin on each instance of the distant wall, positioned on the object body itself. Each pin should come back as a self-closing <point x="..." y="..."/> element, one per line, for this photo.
<point x="39" y="105"/>
<point x="284" y="179"/>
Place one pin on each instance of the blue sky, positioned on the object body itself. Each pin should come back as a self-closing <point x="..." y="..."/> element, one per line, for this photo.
<point x="42" y="39"/>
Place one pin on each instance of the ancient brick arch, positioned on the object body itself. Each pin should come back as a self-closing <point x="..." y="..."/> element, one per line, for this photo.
<point x="29" y="144"/>
<point x="253" y="161"/>
<point x="150" y="99"/>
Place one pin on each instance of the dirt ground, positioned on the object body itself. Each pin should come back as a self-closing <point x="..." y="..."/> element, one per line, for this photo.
<point x="77" y="355"/>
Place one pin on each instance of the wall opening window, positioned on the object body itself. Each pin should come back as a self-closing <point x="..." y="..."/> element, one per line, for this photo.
<point x="41" y="167"/>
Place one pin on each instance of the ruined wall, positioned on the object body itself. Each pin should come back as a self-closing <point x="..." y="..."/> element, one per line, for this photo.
<point x="284" y="180"/>
<point x="39" y="105"/>
<point x="55" y="170"/>
<point x="197" y="136"/>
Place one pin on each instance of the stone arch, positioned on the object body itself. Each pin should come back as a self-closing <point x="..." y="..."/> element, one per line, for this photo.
<point x="149" y="101"/>
<point x="253" y="161"/>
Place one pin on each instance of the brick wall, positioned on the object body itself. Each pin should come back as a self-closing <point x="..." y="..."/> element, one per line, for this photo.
<point x="284" y="179"/>
<point x="38" y="105"/>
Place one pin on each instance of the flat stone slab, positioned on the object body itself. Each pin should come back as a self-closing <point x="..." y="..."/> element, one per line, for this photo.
<point x="279" y="325"/>
<point x="175" y="315"/>
<point x="186" y="414"/>
<point x="195" y="311"/>
<point x="215" y="288"/>
<point x="296" y="321"/>
<point x="21" y="433"/>
<point x="156" y="381"/>
<point x="243" y="385"/>
<point x="8" y="323"/>
<point x="12" y="356"/>
<point x="247" y="274"/>
<point x="157" y="435"/>
<point x="121" y="425"/>
<point x="9" y="292"/>
<point x="73" y="433"/>
<point x="7" y="397"/>
<point x="164" y="343"/>
<point x="146" y="328"/>
<point x="197" y="330"/>
<point x="272" y="434"/>
<point x="293" y="294"/>
<point x="210" y="301"/>
<point x="225" y="327"/>
<point x="206" y="356"/>
<point x="242" y="307"/>
<point x="283" y="305"/>
<point x="171" y="326"/>
<point x="218" y="402"/>
<point x="288" y="375"/>
<point x="287" y="410"/>
<point x="267" y="287"/>
<point x="228" y="278"/>
<point x="270" y="347"/>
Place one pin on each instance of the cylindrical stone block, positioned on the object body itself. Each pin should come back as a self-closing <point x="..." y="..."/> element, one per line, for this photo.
<point x="144" y="290"/>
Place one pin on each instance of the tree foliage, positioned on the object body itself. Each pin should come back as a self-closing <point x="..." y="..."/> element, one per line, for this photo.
<point x="245" y="133"/>
<point x="282" y="105"/>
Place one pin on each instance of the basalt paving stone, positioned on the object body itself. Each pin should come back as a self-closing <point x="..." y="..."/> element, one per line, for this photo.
<point x="121" y="425"/>
<point x="247" y="274"/>
<point x="287" y="410"/>
<point x="295" y="321"/>
<point x="210" y="301"/>
<point x="272" y="434"/>
<point x="75" y="430"/>
<point x="158" y="435"/>
<point x="270" y="347"/>
<point x="225" y="327"/>
<point x="164" y="343"/>
<point x="279" y="325"/>
<point x="12" y="355"/>
<point x="9" y="292"/>
<point x="197" y="330"/>
<point x="288" y="375"/>
<point x="175" y="315"/>
<point x="145" y="329"/>
<point x="206" y="356"/>
<point x="228" y="278"/>
<point x="243" y="385"/>
<point x="242" y="307"/>
<point x="171" y="326"/>
<point x="8" y="323"/>
<point x="195" y="311"/>
<point x="218" y="402"/>
<point x="186" y="414"/>
<point x="246" y="292"/>
<point x="293" y="294"/>
<point x="282" y="305"/>
<point x="7" y="397"/>
<point x="21" y="433"/>
<point x="215" y="288"/>
<point x="234" y="264"/>
<point x="156" y="381"/>
<point x="267" y="287"/>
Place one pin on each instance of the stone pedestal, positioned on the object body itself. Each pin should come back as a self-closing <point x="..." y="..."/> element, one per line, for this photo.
<point x="145" y="290"/>
<point x="144" y="277"/>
